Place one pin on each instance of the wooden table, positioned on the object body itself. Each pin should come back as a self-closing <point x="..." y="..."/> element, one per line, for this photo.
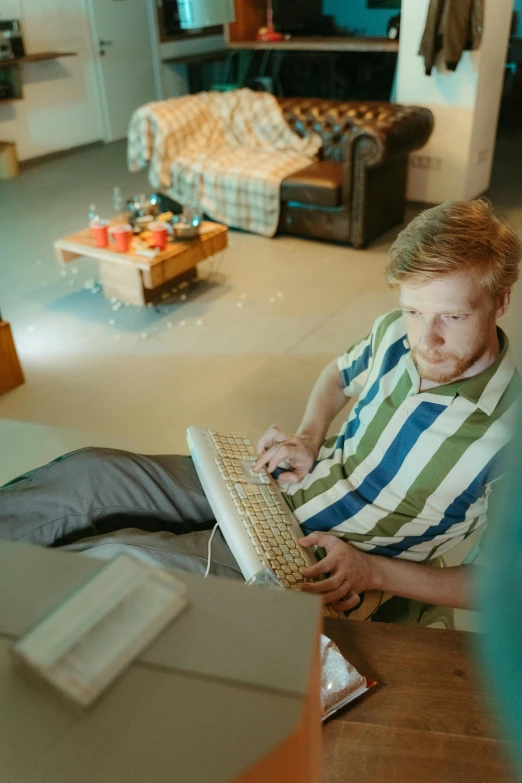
<point x="425" y="722"/>
<point x="138" y="279"/>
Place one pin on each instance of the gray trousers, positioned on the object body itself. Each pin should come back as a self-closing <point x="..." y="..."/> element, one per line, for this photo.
<point x="104" y="502"/>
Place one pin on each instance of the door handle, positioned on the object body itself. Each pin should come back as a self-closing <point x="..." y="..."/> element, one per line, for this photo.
<point x="106" y="43"/>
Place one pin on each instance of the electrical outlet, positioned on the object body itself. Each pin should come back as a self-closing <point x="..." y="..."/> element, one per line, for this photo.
<point x="426" y="162"/>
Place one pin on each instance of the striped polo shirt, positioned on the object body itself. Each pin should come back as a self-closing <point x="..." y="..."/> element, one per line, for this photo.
<point x="410" y="472"/>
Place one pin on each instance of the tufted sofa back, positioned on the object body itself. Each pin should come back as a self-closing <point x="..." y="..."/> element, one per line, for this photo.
<point x="339" y="122"/>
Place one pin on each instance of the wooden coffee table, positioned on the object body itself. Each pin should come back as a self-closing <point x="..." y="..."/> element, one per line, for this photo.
<point x="138" y="279"/>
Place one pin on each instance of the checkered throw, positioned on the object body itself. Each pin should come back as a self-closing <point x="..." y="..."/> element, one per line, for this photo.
<point x="228" y="152"/>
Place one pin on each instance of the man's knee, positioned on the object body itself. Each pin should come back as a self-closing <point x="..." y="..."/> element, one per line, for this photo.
<point x="95" y="459"/>
<point x="93" y="472"/>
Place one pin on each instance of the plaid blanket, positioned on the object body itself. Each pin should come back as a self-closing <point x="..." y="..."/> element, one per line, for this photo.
<point x="227" y="152"/>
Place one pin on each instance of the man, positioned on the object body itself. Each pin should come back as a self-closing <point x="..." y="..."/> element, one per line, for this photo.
<point x="406" y="479"/>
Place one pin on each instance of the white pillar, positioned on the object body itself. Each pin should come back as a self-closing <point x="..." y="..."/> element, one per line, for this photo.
<point x="456" y="162"/>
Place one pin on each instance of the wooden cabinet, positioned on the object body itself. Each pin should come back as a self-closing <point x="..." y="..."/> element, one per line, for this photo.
<point x="11" y="374"/>
<point x="250" y="16"/>
<point x="294" y="17"/>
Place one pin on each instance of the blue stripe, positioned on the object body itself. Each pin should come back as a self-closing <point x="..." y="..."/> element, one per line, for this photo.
<point x="418" y="422"/>
<point x="391" y="359"/>
<point x="389" y="551"/>
<point x="457" y="509"/>
<point x="358" y="366"/>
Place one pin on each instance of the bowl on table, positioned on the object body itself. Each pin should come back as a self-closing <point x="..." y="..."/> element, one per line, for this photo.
<point x="184" y="227"/>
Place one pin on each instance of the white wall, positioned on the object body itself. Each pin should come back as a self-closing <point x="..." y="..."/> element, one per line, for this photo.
<point x="60" y="107"/>
<point x="173" y="78"/>
<point x="464" y="102"/>
<point x="497" y="24"/>
<point x="354" y="14"/>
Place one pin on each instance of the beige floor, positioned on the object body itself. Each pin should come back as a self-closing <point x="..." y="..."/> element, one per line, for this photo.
<point x="241" y="351"/>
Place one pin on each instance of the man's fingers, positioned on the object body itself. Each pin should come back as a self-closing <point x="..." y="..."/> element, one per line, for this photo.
<point x="323" y="566"/>
<point x="291" y="476"/>
<point x="335" y="596"/>
<point x="325" y="585"/>
<point x="266" y="440"/>
<point x="274" y="456"/>
<point x="349" y="602"/>
<point x="281" y="453"/>
<point x="335" y="590"/>
<point x="265" y="458"/>
<point x="315" y="539"/>
<point x="272" y="435"/>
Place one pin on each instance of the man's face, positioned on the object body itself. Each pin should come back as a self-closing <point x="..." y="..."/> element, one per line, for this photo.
<point x="451" y="325"/>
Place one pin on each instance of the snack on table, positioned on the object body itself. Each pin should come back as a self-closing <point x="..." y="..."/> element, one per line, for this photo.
<point x="340" y="681"/>
<point x="164" y="217"/>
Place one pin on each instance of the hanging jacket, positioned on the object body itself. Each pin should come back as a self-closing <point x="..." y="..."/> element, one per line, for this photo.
<point x="451" y="27"/>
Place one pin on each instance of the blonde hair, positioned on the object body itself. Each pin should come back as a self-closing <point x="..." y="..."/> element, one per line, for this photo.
<point x="456" y="236"/>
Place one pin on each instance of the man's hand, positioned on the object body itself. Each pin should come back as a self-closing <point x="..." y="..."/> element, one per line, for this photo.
<point x="276" y="446"/>
<point x="350" y="571"/>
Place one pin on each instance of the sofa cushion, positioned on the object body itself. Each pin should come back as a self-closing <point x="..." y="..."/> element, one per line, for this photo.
<point x="320" y="184"/>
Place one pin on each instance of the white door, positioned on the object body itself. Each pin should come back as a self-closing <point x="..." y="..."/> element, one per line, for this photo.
<point x="124" y="58"/>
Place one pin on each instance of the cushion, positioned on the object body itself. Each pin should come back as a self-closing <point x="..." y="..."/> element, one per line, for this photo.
<point x="320" y="184"/>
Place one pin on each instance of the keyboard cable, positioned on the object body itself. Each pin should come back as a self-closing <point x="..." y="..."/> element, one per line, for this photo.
<point x="209" y="555"/>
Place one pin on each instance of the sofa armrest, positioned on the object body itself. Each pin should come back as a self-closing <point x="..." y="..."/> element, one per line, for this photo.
<point x="399" y="132"/>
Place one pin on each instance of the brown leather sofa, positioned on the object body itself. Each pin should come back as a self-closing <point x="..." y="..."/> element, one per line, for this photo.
<point x="357" y="190"/>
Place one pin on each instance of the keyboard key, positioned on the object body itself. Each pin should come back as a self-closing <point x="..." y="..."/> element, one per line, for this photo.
<point x="253" y="490"/>
<point x="240" y="491"/>
<point x="267" y="496"/>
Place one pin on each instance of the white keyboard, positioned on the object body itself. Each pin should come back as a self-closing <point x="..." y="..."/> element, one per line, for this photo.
<point x="255" y="520"/>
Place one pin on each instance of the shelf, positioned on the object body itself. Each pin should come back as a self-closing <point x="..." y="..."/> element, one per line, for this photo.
<point x="344" y="44"/>
<point x="12" y="70"/>
<point x="33" y="58"/>
<point x="198" y="59"/>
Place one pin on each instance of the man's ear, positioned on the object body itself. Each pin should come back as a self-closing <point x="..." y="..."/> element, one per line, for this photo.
<point x="503" y="301"/>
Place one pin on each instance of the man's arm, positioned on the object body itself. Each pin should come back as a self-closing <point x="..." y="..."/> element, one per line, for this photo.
<point x="325" y="402"/>
<point x="445" y="586"/>
<point x="341" y="379"/>
<point x="352" y="571"/>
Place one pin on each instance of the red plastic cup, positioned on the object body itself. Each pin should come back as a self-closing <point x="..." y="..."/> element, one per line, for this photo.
<point x="160" y="235"/>
<point x="122" y="234"/>
<point x="100" y="232"/>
